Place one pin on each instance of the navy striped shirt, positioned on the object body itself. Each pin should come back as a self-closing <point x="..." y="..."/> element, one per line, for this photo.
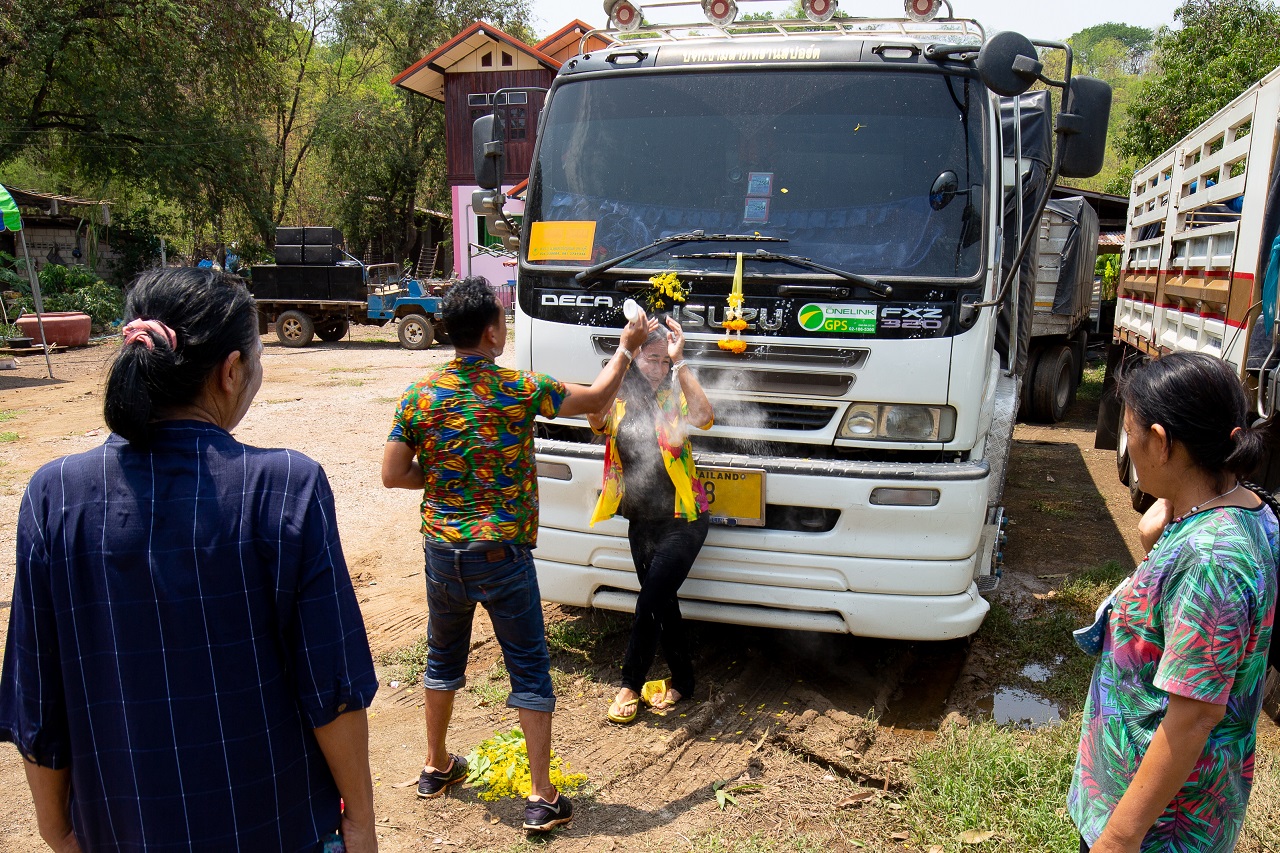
<point x="182" y="619"/>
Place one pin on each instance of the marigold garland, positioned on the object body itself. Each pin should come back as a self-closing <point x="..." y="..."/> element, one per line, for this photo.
<point x="662" y="287"/>
<point x="733" y="320"/>
<point x="500" y="765"/>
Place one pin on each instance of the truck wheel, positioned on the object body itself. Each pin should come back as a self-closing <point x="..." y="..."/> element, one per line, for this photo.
<point x="334" y="330"/>
<point x="295" y="329"/>
<point x="1053" y="384"/>
<point x="415" y="332"/>
<point x="1028" y="375"/>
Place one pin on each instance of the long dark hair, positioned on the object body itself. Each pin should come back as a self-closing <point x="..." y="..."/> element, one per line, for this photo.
<point x="211" y="314"/>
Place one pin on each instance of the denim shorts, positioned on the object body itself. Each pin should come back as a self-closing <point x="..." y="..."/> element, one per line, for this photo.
<point x="503" y="580"/>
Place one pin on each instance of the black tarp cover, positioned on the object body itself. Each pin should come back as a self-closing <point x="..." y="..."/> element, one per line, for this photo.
<point x="1075" y="275"/>
<point x="1031" y="121"/>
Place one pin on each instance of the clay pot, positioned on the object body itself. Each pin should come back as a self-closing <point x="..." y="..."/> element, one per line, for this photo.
<point x="64" y="328"/>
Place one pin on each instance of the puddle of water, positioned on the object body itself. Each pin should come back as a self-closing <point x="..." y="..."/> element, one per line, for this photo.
<point x="1013" y="706"/>
<point x="1036" y="672"/>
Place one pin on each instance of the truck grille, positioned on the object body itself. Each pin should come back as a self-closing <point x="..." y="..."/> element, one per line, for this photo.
<point x="737" y="413"/>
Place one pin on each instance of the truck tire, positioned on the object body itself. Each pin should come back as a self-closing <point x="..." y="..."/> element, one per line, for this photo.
<point x="334" y="330"/>
<point x="1053" y="386"/>
<point x="415" y="332"/>
<point x="1028" y="374"/>
<point x="295" y="329"/>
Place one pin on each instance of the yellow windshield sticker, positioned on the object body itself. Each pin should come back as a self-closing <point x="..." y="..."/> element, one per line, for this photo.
<point x="561" y="241"/>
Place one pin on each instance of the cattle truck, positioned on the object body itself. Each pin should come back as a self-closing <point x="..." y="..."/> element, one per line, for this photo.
<point x="1198" y="273"/>
<point x="854" y="169"/>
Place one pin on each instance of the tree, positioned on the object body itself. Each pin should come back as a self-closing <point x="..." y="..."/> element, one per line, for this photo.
<point x="385" y="145"/>
<point x="1222" y="47"/>
<point x="1112" y="47"/>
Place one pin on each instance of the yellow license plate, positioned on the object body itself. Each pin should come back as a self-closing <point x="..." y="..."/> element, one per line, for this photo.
<point x="736" y="495"/>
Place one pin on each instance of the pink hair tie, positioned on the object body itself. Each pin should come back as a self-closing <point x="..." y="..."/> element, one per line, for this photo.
<point x="142" y="330"/>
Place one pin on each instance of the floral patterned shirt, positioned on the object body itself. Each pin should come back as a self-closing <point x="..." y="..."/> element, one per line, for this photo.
<point x="1195" y="622"/>
<point x="471" y="424"/>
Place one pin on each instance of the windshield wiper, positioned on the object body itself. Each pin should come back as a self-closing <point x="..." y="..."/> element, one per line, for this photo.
<point x="871" y="284"/>
<point x="691" y="237"/>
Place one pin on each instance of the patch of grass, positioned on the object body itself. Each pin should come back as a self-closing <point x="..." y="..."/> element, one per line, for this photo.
<point x="1086" y="590"/>
<point x="566" y="682"/>
<point x="409" y="662"/>
<point x="348" y="370"/>
<point x="1262" y="819"/>
<point x="1090" y="387"/>
<point x="1058" y="509"/>
<point x="993" y="778"/>
<point x="7" y="415"/>
<point x="571" y="637"/>
<point x="718" y="841"/>
<point x="6" y="437"/>
<point x="493" y="687"/>
<point x="1045" y="637"/>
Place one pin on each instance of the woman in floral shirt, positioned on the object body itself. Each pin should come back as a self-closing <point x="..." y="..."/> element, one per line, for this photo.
<point x="1167" y="743"/>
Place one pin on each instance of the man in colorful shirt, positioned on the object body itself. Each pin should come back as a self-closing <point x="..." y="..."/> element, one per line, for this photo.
<point x="464" y="435"/>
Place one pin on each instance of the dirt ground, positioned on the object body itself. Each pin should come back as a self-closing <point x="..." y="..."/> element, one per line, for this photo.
<point x="816" y="719"/>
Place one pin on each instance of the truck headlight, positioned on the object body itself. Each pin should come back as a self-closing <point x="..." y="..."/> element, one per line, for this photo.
<point x="893" y="422"/>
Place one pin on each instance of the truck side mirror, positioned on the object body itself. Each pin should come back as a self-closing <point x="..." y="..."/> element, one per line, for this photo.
<point x="486" y="153"/>
<point x="1008" y="64"/>
<point x="1083" y="125"/>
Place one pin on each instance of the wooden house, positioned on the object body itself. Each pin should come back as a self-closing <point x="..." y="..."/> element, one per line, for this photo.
<point x="463" y="74"/>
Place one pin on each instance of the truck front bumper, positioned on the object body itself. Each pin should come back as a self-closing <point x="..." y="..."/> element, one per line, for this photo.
<point x="900" y="572"/>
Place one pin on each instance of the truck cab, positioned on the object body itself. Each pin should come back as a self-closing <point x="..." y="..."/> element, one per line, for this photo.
<point x="848" y="178"/>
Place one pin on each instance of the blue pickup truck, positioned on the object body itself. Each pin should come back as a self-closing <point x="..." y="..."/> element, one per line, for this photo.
<point x="306" y="301"/>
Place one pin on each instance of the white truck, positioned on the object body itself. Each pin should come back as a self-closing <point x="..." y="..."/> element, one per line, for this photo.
<point x="1198" y="273"/>
<point x="856" y="166"/>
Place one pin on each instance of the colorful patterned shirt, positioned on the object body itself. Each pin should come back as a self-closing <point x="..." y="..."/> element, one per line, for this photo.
<point x="471" y="425"/>
<point x="1195" y="622"/>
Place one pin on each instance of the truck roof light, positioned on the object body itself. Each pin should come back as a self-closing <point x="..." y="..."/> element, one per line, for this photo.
<point x="819" y="11"/>
<point x="722" y="13"/>
<point x="923" y="11"/>
<point x="623" y="15"/>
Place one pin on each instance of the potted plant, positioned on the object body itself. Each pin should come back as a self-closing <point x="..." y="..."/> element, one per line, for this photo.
<point x="13" y="337"/>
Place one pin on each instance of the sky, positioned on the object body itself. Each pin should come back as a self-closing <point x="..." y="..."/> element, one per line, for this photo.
<point x="1033" y="18"/>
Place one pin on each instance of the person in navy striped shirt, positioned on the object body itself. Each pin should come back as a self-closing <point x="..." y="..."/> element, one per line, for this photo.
<point x="186" y="665"/>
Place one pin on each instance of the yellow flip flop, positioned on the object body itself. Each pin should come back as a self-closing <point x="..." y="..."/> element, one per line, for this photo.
<point x="652" y="689"/>
<point x="623" y="719"/>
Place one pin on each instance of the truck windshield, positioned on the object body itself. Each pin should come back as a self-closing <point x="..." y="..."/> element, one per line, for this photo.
<point x="840" y="163"/>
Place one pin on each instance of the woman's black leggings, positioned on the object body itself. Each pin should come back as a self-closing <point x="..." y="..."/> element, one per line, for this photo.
<point x="663" y="552"/>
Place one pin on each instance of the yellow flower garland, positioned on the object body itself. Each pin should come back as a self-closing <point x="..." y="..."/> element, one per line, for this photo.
<point x="662" y="287"/>
<point x="733" y="321"/>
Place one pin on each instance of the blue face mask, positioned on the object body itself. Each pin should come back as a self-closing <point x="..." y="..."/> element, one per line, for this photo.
<point x="1090" y="638"/>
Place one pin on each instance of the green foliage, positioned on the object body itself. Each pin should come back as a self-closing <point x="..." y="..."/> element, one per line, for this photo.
<point x="1107" y="269"/>
<point x="71" y="289"/>
<point x="408" y="663"/>
<point x="135" y="241"/>
<point x="1221" y="48"/>
<point x="1122" y="47"/>
<point x="985" y="777"/>
<point x="724" y="789"/>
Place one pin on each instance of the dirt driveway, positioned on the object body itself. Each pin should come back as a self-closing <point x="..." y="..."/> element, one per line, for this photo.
<point x="795" y="712"/>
